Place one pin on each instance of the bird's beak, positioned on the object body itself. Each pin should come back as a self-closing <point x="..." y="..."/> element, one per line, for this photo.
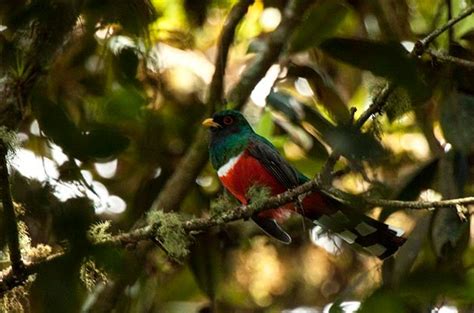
<point x="209" y="122"/>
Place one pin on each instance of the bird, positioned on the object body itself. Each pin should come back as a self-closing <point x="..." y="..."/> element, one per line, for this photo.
<point x="243" y="159"/>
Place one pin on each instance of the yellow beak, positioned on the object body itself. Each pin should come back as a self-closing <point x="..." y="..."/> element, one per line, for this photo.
<point x="209" y="122"/>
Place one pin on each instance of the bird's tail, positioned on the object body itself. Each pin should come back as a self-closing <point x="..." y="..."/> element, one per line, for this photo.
<point x="358" y="230"/>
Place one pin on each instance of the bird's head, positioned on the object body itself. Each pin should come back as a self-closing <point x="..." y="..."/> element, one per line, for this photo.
<point x="229" y="135"/>
<point x="226" y="124"/>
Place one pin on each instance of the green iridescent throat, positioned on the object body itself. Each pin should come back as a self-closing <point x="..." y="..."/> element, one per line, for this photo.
<point x="226" y="147"/>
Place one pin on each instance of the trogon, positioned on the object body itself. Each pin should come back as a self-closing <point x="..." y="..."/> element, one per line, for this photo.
<point x="243" y="159"/>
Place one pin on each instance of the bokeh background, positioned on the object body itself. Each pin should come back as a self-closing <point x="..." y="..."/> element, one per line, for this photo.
<point x="119" y="103"/>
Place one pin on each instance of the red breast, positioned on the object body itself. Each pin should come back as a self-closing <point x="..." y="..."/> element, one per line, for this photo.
<point x="244" y="171"/>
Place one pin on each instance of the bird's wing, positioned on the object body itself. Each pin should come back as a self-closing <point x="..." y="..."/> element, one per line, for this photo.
<point x="284" y="173"/>
<point x="271" y="159"/>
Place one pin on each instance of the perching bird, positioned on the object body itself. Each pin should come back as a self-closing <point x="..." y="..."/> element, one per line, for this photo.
<point x="243" y="159"/>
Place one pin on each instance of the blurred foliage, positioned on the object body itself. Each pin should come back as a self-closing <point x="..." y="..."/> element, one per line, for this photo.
<point x="117" y="106"/>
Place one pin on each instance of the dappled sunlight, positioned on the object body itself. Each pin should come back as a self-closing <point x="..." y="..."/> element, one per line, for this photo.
<point x="317" y="268"/>
<point x="194" y="62"/>
<point x="269" y="19"/>
<point x="45" y="170"/>
<point x="260" y="270"/>
<point x="263" y="88"/>
<point x="112" y="174"/>
<point x="412" y="143"/>
<point x="107" y="169"/>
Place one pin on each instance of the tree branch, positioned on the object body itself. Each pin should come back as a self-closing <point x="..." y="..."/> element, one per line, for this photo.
<point x="380" y="100"/>
<point x="11" y="226"/>
<point x="190" y="226"/>
<point x="270" y="53"/>
<point x="376" y="105"/>
<point x="417" y="205"/>
<point x="216" y="90"/>
<point x="176" y="187"/>
<point x="421" y="45"/>
<point x="444" y="58"/>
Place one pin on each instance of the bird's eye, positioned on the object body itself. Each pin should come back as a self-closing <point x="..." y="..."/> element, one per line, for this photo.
<point x="228" y="120"/>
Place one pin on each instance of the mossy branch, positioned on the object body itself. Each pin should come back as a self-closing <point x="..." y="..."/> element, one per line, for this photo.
<point x="11" y="226"/>
<point x="163" y="225"/>
<point x="422" y="44"/>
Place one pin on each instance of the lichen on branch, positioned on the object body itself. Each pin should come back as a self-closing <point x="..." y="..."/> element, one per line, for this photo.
<point x="170" y="233"/>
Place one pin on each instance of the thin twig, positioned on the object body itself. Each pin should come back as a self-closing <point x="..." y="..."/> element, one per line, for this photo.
<point x="417" y="205"/>
<point x="270" y="53"/>
<point x="421" y="44"/>
<point x="375" y="107"/>
<point x="216" y="88"/>
<point x="377" y="104"/>
<point x="444" y="58"/>
<point x="11" y="226"/>
<point x="450" y="30"/>
<point x="381" y="98"/>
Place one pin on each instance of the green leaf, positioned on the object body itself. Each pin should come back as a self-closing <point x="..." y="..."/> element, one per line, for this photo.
<point x="407" y="255"/>
<point x="325" y="90"/>
<point x="295" y="113"/>
<point x="103" y="142"/>
<point x="351" y="143"/>
<point x="57" y="286"/>
<point x="336" y="307"/>
<point x="285" y="104"/>
<point x="418" y="181"/>
<point x="389" y="60"/>
<point x="383" y="301"/>
<point x="265" y="125"/>
<point x="56" y="124"/>
<point x="124" y="104"/>
<point x="344" y="139"/>
<point x="320" y="23"/>
<point x="99" y="142"/>
<point x="457" y="120"/>
<point x="449" y="234"/>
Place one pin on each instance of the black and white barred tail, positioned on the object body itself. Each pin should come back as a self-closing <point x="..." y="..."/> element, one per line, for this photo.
<point x="360" y="231"/>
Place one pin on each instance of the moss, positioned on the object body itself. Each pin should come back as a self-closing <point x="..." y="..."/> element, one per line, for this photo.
<point x="91" y="275"/>
<point x="398" y="103"/>
<point x="19" y="209"/>
<point x="99" y="232"/>
<point x="222" y="203"/>
<point x="39" y="252"/>
<point x="258" y="194"/>
<point x="24" y="237"/>
<point x="170" y="233"/>
<point x="16" y="300"/>
<point x="10" y="139"/>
